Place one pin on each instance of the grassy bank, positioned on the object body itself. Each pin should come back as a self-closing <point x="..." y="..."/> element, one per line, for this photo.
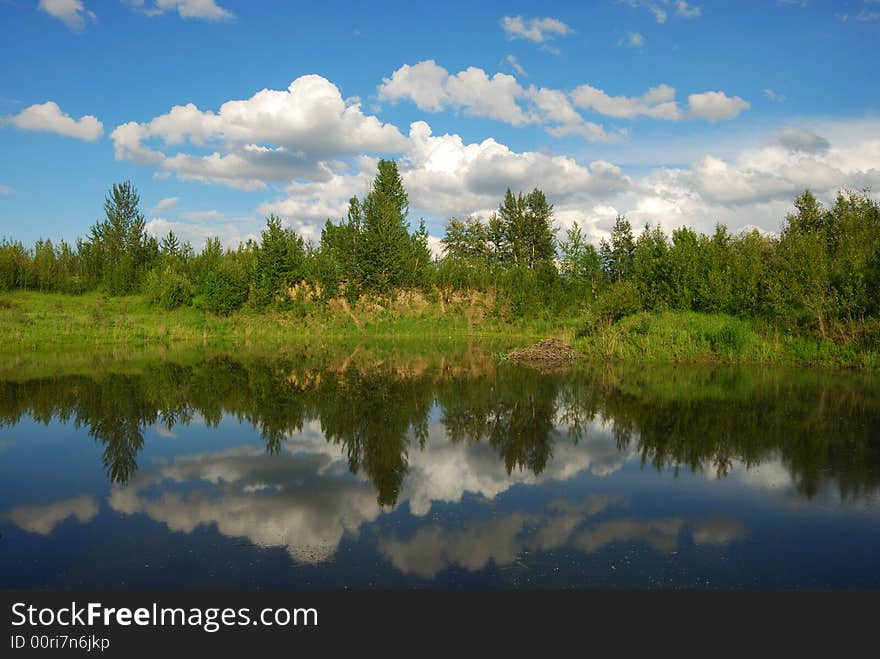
<point x="46" y="327"/>
<point x="46" y="322"/>
<point x="688" y="337"/>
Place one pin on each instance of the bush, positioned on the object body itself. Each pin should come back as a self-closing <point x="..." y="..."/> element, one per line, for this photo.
<point x="167" y="288"/>
<point x="619" y="300"/>
<point x="225" y="289"/>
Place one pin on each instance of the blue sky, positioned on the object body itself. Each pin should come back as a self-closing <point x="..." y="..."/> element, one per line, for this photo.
<point x="671" y="112"/>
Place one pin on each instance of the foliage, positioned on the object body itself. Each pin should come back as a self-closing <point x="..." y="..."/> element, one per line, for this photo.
<point x="167" y="288"/>
<point x="818" y="279"/>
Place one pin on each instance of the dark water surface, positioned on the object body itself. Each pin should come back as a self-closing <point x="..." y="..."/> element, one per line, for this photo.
<point x="229" y="471"/>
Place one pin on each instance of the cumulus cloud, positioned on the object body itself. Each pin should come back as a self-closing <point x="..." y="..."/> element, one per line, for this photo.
<point x="432" y="88"/>
<point x="197" y="227"/>
<point x="715" y="106"/>
<point x="472" y="91"/>
<point x="44" y="519"/>
<point x="310" y="203"/>
<point x="165" y="204"/>
<point x="207" y="10"/>
<point x="272" y="136"/>
<point x="444" y="173"/>
<point x="803" y="140"/>
<point x="280" y="137"/>
<point x="658" y="102"/>
<point x="774" y="96"/>
<point x="755" y="186"/>
<point x="536" y="30"/>
<point x="48" y="117"/>
<point x="70" y="12"/>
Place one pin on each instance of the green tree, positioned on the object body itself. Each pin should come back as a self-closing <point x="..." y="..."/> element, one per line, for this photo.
<point x="119" y="241"/>
<point x="539" y="231"/>
<point x="279" y="262"/>
<point x="617" y="255"/>
<point x="466" y="240"/>
<point x="580" y="259"/>
<point x="386" y="255"/>
<point x="651" y="268"/>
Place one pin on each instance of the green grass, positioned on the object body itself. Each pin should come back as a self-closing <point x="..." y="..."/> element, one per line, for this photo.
<point x="689" y="337"/>
<point x="65" y="328"/>
<point x="47" y="322"/>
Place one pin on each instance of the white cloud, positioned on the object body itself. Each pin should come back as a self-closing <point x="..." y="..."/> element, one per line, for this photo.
<point x="687" y="10"/>
<point x="756" y="186"/>
<point x="71" y="12"/>
<point x="715" y="106"/>
<point x="632" y="40"/>
<point x="48" y="117"/>
<point x="472" y="91"/>
<point x="310" y="203"/>
<point x="165" y="204"/>
<point x="658" y="102"/>
<point x="272" y="136"/>
<point x="448" y="176"/>
<point x="196" y="230"/>
<point x="803" y="140"/>
<point x="432" y="88"/>
<point x="212" y="214"/>
<point x="660" y="8"/>
<point x="6" y="190"/>
<point x="655" y="8"/>
<point x="774" y="96"/>
<point x="204" y="9"/>
<point x="536" y="30"/>
<point x="445" y="176"/>
<point x="516" y="66"/>
<point x="44" y="519"/>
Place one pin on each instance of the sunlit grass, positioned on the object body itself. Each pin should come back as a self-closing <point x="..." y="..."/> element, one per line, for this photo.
<point x="94" y="327"/>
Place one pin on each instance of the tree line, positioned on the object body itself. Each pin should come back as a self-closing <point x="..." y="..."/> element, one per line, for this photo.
<point x="823" y="268"/>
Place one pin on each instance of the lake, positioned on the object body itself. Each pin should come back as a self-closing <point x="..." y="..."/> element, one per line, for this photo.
<point x="459" y="471"/>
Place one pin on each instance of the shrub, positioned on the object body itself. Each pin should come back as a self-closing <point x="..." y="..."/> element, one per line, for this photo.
<point x="225" y="289"/>
<point x="167" y="288"/>
<point x="619" y="300"/>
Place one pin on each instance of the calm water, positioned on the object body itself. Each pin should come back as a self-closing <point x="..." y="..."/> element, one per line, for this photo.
<point x="467" y="473"/>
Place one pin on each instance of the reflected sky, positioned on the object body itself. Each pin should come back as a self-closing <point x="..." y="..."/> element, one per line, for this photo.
<point x="235" y="473"/>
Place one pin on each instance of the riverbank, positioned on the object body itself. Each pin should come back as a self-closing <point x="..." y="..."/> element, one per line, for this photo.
<point x="46" y="326"/>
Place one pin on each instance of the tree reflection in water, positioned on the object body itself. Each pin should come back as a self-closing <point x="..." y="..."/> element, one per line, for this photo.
<point x="823" y="426"/>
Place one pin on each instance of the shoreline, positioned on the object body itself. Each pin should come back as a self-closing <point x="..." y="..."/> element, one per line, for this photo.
<point x="40" y="326"/>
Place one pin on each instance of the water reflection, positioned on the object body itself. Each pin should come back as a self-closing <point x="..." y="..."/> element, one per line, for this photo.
<point x="820" y="425"/>
<point x="346" y="447"/>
